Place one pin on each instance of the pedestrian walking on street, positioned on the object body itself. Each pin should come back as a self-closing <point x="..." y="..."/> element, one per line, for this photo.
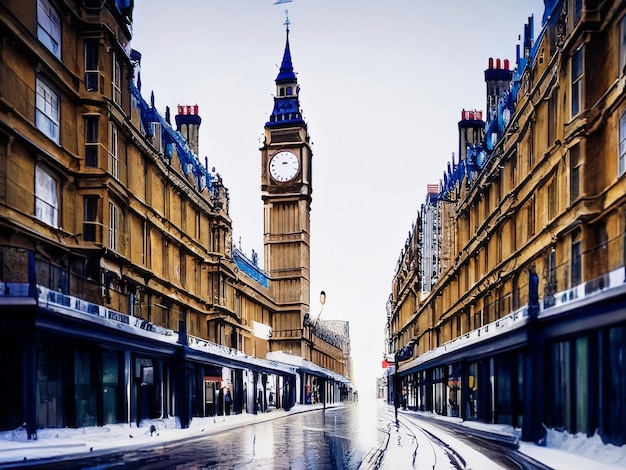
<point x="228" y="400"/>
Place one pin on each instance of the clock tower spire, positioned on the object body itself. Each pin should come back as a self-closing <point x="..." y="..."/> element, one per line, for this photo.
<point x="286" y="188"/>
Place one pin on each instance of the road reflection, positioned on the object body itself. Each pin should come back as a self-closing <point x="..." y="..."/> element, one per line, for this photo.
<point x="335" y="438"/>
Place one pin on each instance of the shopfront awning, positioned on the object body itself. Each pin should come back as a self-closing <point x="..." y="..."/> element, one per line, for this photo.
<point x="205" y="351"/>
<point x="307" y="366"/>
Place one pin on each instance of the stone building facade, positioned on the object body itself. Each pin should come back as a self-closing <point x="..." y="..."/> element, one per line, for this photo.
<point x="525" y="324"/>
<point x="122" y="295"/>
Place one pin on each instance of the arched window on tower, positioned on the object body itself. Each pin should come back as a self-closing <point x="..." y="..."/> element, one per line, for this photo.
<point x="282" y="91"/>
<point x="289" y="91"/>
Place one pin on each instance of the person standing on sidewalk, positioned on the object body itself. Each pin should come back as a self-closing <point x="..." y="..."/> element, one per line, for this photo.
<point x="228" y="400"/>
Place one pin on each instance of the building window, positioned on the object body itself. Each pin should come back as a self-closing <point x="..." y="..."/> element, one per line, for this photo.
<point x="622" y="46"/>
<point x="165" y="257"/>
<point x="90" y="217"/>
<point x="197" y="225"/>
<point x="553" y="105"/>
<point x="92" y="72"/>
<point x="530" y="219"/>
<point x="117" y="81"/>
<point x="574" y="164"/>
<point x="183" y="268"/>
<point x="92" y="141"/>
<point x="512" y="171"/>
<point x="577" y="80"/>
<point x="114" y="226"/>
<point x="576" y="259"/>
<point x="113" y="152"/>
<point x="552" y="284"/>
<point x="578" y="9"/>
<point x="530" y="148"/>
<point x="47" y="110"/>
<point x="552" y="199"/>
<point x="46" y="197"/>
<point x="622" y="144"/>
<point x="147" y="259"/>
<point x="49" y="27"/>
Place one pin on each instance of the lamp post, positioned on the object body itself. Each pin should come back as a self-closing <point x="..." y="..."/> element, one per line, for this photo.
<point x="402" y="354"/>
<point x="322" y="302"/>
<point x="323" y="381"/>
<point x="395" y="384"/>
<point x="312" y="324"/>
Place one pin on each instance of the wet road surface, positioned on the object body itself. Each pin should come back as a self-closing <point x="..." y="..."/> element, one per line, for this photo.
<point x="363" y="436"/>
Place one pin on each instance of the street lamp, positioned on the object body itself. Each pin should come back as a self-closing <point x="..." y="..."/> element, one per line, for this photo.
<point x="307" y="315"/>
<point x="402" y="354"/>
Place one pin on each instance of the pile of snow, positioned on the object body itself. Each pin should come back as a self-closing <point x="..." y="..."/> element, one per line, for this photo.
<point x="590" y="447"/>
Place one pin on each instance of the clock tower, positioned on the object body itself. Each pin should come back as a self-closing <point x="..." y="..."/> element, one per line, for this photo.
<point x="286" y="191"/>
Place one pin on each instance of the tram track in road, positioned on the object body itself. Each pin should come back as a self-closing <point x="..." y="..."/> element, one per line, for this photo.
<point x="502" y="449"/>
<point x="425" y="449"/>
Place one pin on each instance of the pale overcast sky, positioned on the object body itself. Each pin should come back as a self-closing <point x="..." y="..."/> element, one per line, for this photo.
<point x="382" y="84"/>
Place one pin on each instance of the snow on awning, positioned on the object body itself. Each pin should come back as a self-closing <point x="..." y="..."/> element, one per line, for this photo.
<point x="224" y="356"/>
<point x="307" y="366"/>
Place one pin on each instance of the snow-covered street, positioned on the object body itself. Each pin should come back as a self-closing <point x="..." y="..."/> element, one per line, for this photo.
<point x="363" y="435"/>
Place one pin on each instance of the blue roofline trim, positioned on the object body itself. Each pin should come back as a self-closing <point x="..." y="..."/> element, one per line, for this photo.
<point x="495" y="125"/>
<point x="249" y="268"/>
<point x="189" y="161"/>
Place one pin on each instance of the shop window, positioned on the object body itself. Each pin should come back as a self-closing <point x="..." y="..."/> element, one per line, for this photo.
<point x="472" y="391"/>
<point x="112" y="387"/>
<point x="582" y="385"/>
<point x="49" y="390"/>
<point x="561" y="386"/>
<point x="454" y="389"/>
<point x="85" y="390"/>
<point x="49" y="27"/>
<point x="613" y="407"/>
<point x="47" y="110"/>
<point x="46" y="197"/>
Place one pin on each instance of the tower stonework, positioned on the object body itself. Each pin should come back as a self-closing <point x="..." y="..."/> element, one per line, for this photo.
<point x="286" y="186"/>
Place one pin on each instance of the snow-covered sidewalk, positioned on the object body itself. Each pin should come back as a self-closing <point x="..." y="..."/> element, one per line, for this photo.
<point x="560" y="450"/>
<point x="54" y="442"/>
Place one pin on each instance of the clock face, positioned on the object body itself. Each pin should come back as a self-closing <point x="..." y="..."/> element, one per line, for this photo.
<point x="284" y="166"/>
